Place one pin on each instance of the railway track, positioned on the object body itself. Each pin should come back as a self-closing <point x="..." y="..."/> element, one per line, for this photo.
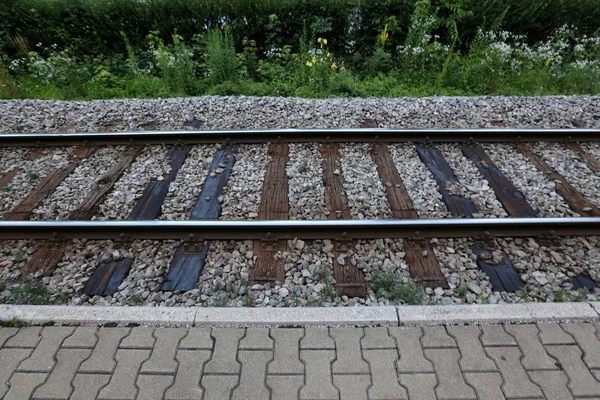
<point x="301" y="208"/>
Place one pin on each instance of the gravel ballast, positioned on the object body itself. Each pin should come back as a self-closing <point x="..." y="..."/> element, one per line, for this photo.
<point x="308" y="266"/>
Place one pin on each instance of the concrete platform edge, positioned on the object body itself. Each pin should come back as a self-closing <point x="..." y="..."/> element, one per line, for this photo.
<point x="308" y="316"/>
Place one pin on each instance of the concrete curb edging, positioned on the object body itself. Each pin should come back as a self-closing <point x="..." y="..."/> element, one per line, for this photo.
<point x="305" y="316"/>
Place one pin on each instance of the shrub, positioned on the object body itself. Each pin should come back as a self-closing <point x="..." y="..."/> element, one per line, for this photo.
<point x="35" y="293"/>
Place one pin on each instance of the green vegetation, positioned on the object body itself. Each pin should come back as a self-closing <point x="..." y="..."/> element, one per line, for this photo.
<point x="387" y="285"/>
<point x="86" y="49"/>
<point x="2" y="285"/>
<point x="35" y="293"/>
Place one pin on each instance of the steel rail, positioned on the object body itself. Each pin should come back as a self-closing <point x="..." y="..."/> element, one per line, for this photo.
<point x="280" y="229"/>
<point x="299" y="135"/>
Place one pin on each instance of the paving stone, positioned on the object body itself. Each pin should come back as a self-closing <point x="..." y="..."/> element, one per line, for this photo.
<point x="554" y="334"/>
<point x="349" y="358"/>
<point x="411" y="352"/>
<point x="352" y="387"/>
<point x="495" y="335"/>
<point x="516" y="381"/>
<point x="84" y="337"/>
<point x="256" y="339"/>
<point x="197" y="339"/>
<point x="488" y="385"/>
<point x="451" y="382"/>
<point x="28" y="337"/>
<point x="317" y="338"/>
<point x="9" y="361"/>
<point x="162" y="360"/>
<point x="252" y="377"/>
<point x="189" y="373"/>
<point x="419" y="386"/>
<point x="152" y="387"/>
<point x="286" y="358"/>
<point x="138" y="338"/>
<point x="383" y="374"/>
<point x="7" y="333"/>
<point x="58" y="384"/>
<point x="22" y="385"/>
<point x="585" y="335"/>
<point x="473" y="357"/>
<point x="377" y="338"/>
<point x="534" y="355"/>
<point x="436" y="337"/>
<point x="285" y="387"/>
<point x="122" y="384"/>
<point x="318" y="378"/>
<point x="102" y="358"/>
<point x="218" y="387"/>
<point x="87" y="386"/>
<point x="224" y="360"/>
<point x="42" y="358"/>
<point x="553" y="384"/>
<point x="581" y="381"/>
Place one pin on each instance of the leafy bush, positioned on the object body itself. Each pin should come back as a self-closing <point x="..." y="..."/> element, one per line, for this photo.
<point x="30" y="293"/>
<point x="387" y="285"/>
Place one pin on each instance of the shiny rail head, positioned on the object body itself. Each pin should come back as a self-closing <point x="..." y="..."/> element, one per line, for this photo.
<point x="301" y="135"/>
<point x="479" y="228"/>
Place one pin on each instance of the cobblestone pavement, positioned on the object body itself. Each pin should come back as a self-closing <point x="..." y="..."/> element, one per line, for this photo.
<point x="543" y="361"/>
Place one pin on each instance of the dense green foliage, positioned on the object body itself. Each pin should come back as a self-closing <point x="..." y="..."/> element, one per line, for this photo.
<point x="83" y="49"/>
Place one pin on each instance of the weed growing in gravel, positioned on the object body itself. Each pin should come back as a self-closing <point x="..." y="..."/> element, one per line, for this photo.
<point x="323" y="274"/>
<point x="387" y="285"/>
<point x="217" y="300"/>
<point x="563" y="296"/>
<point x="248" y="300"/>
<point x="34" y="293"/>
<point x="17" y="323"/>
<point x="462" y="290"/>
<point x="2" y="286"/>
<point x="61" y="298"/>
<point x="134" y="300"/>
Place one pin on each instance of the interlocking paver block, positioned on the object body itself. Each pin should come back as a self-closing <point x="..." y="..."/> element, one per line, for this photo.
<point x="122" y="384"/>
<point x="553" y="384"/>
<point x="84" y="337"/>
<point x="224" y="360"/>
<point x="420" y="386"/>
<point x="252" y="377"/>
<point x="488" y="385"/>
<point x="42" y="359"/>
<point x="352" y="387"/>
<point x="377" y="338"/>
<point x="189" y="373"/>
<point x="581" y="381"/>
<point x="451" y="382"/>
<point x="383" y="374"/>
<point x="9" y="361"/>
<point x="318" y="380"/>
<point x="495" y="335"/>
<point x="102" y="358"/>
<point x="473" y="358"/>
<point x="585" y="335"/>
<point x="7" y="333"/>
<point x="436" y="337"/>
<point x="58" y="384"/>
<point x="516" y="381"/>
<point x="286" y="359"/>
<point x="349" y="358"/>
<point x="317" y="338"/>
<point x="162" y="360"/>
<point x="534" y="355"/>
<point x="28" y="337"/>
<point x="411" y="352"/>
<point x="554" y="334"/>
<point x="256" y="339"/>
<point x="152" y="387"/>
<point x="87" y="386"/>
<point x="22" y="385"/>
<point x="197" y="339"/>
<point x="285" y="387"/>
<point x="138" y="338"/>
<point x="218" y="387"/>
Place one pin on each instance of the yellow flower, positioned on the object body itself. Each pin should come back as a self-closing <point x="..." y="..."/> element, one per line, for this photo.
<point x="309" y="64"/>
<point x="384" y="35"/>
<point x="549" y="60"/>
<point x="325" y="41"/>
<point x="314" y="60"/>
